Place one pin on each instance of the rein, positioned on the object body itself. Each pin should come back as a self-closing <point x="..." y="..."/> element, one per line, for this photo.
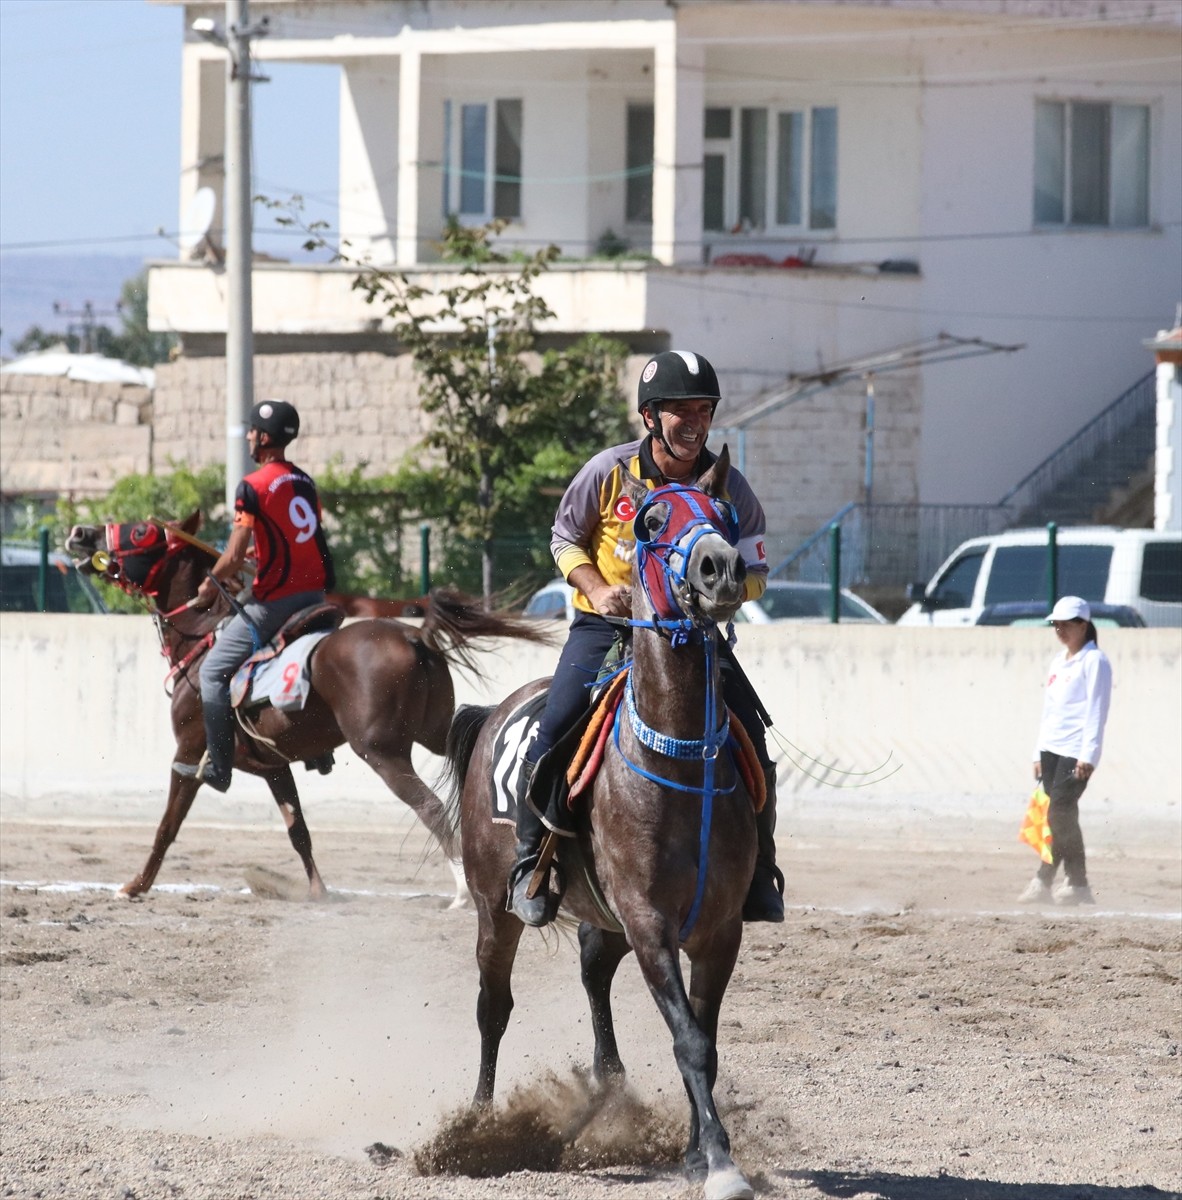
<point x="681" y="627"/>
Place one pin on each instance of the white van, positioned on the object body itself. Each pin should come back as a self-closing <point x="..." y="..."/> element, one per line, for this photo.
<point x="1138" y="567"/>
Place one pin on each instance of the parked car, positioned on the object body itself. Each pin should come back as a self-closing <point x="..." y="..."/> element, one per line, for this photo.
<point x="784" y="600"/>
<point x="792" y="600"/>
<point x="1034" y="612"/>
<point x="1140" y="568"/>
<point x="65" y="589"/>
<point x="552" y="602"/>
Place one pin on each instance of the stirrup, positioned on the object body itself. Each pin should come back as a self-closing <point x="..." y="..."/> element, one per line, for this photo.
<point x="535" y="910"/>
<point x="203" y="772"/>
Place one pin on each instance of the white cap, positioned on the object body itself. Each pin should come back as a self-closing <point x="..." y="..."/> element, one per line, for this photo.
<point x="1067" y="608"/>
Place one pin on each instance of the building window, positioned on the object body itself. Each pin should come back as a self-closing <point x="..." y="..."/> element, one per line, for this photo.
<point x="638" y="187"/>
<point x="1091" y="164"/>
<point x="476" y="135"/>
<point x="768" y="169"/>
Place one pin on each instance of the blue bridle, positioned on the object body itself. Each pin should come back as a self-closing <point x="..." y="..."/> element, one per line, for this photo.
<point x="707" y="515"/>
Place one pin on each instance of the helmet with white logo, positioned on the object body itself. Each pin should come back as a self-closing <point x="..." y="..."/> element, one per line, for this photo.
<point x="676" y="375"/>
<point x="276" y="418"/>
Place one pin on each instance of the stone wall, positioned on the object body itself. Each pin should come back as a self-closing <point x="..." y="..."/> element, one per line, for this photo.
<point x="64" y="437"/>
<point x="805" y="461"/>
<point x="354" y="408"/>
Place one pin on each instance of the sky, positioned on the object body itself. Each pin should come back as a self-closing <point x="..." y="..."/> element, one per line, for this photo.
<point x="90" y="132"/>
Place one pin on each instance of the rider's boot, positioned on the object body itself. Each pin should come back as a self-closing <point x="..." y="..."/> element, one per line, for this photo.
<point x="533" y="911"/>
<point x="217" y="764"/>
<point x="765" y="897"/>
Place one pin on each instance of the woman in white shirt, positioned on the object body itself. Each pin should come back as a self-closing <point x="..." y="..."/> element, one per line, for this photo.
<point x="1070" y="738"/>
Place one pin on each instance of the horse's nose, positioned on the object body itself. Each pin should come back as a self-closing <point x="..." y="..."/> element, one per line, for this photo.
<point x="723" y="574"/>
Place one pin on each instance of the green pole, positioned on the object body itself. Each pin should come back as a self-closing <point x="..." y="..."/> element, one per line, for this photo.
<point x="424" y="558"/>
<point x="834" y="573"/>
<point x="1052" y="562"/>
<point x="43" y="570"/>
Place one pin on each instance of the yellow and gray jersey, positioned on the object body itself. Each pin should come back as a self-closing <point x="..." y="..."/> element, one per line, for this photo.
<point x="594" y="519"/>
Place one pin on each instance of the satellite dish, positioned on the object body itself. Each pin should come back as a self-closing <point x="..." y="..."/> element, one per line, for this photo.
<point x="198" y="218"/>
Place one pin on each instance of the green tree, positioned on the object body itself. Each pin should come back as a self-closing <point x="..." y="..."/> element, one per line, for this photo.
<point x="136" y="497"/>
<point x="138" y="344"/>
<point x="510" y="423"/>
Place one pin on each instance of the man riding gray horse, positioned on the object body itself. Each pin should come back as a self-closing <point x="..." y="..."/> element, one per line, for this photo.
<point x="593" y="545"/>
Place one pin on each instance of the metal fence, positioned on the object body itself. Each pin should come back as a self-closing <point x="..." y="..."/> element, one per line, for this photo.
<point x="892" y="545"/>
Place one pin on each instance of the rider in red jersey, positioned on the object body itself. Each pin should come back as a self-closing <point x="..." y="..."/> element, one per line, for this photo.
<point x="277" y="508"/>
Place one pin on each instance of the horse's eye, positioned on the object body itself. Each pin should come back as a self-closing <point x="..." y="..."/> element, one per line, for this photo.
<point x="655" y="519"/>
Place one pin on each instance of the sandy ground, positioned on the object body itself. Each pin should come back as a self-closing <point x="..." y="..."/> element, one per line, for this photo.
<point x="909" y="1033"/>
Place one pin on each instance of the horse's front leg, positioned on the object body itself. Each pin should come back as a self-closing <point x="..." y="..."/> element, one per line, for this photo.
<point x="711" y="968"/>
<point x="600" y="954"/>
<point x="697" y="1058"/>
<point x="283" y="789"/>
<point x="181" y="793"/>
<point x="496" y="948"/>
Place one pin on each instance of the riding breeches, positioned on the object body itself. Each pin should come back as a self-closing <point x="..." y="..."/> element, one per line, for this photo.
<point x="238" y="641"/>
<point x="587" y="644"/>
<point x="586" y="647"/>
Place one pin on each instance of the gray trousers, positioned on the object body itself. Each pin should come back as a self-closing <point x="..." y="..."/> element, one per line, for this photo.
<point x="237" y="642"/>
<point x="1067" y="845"/>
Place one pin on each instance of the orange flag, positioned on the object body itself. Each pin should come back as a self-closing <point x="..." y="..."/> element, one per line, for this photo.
<point x="1035" y="831"/>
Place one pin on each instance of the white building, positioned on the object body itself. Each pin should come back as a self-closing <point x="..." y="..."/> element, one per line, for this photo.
<point x="881" y="172"/>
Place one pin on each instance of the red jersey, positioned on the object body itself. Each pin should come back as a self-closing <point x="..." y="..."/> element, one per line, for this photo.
<point x="279" y="503"/>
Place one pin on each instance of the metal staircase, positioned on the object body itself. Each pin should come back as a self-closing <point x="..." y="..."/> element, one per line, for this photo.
<point x="1101" y="475"/>
<point x="1080" y="482"/>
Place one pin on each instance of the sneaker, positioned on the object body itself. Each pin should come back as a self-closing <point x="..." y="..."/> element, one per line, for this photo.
<point x="1036" y="892"/>
<point x="1072" y="897"/>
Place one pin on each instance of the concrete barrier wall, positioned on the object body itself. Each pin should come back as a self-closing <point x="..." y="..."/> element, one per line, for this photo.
<point x="923" y="733"/>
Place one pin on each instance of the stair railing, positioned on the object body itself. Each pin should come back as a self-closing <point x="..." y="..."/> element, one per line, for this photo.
<point x="1108" y="426"/>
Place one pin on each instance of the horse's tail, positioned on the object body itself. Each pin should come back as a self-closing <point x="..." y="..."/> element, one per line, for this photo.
<point x="455" y="620"/>
<point x="465" y="728"/>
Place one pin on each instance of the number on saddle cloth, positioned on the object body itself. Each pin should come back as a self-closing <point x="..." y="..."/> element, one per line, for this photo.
<point x="280" y="673"/>
<point x="507" y="773"/>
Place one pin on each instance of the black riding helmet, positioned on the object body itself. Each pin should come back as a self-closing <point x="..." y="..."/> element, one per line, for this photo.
<point x="675" y="375"/>
<point x="276" y="418"/>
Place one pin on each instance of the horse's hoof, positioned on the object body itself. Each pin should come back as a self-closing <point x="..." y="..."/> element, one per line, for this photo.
<point x="728" y="1184"/>
<point x="463" y="897"/>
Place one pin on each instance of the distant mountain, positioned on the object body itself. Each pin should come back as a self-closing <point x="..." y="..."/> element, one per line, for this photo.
<point x="31" y="283"/>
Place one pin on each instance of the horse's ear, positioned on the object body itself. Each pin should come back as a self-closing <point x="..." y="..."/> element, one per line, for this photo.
<point x="192" y="522"/>
<point x="636" y="490"/>
<point x="713" y="482"/>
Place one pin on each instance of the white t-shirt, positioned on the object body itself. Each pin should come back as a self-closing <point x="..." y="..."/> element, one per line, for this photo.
<point x="1076" y="705"/>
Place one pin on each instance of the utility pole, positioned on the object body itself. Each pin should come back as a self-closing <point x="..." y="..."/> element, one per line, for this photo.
<point x="88" y="324"/>
<point x="236" y="40"/>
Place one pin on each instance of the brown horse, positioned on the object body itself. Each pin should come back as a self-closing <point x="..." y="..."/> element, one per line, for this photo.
<point x="378" y="685"/>
<point x="665" y="843"/>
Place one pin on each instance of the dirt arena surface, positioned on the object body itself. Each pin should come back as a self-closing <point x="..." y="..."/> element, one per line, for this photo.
<point x="908" y="1034"/>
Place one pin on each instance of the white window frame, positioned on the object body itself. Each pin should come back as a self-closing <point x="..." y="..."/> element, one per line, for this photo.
<point x="1115" y="179"/>
<point x="454" y="178"/>
<point x="730" y="150"/>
